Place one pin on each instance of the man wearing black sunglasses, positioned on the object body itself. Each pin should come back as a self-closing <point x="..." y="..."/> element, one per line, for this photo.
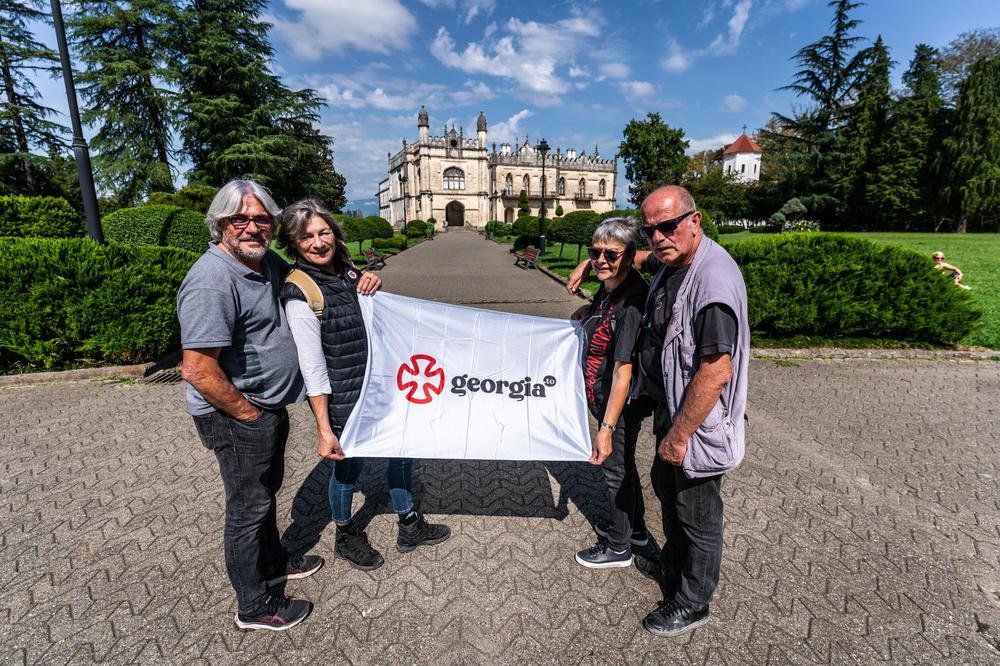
<point x="692" y="358"/>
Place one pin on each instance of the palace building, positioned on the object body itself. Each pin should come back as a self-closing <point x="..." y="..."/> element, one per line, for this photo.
<point x="460" y="182"/>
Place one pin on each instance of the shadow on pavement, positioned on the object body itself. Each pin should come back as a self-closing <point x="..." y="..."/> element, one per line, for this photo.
<point x="456" y="487"/>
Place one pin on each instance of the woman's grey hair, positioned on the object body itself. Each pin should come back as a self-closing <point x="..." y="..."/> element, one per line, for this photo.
<point x="228" y="201"/>
<point x="294" y="220"/>
<point x="622" y="230"/>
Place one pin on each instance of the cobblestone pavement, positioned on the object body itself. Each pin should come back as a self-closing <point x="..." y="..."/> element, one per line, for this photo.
<point x="863" y="527"/>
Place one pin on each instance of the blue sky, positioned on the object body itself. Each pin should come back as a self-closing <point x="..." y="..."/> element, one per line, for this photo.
<point x="574" y="72"/>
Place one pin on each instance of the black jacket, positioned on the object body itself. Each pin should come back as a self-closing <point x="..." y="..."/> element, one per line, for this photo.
<point x="342" y="334"/>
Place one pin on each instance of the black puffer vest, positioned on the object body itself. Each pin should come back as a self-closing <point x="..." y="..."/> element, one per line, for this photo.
<point x="342" y="333"/>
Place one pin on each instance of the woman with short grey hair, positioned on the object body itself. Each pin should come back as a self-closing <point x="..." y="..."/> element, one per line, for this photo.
<point x="611" y="325"/>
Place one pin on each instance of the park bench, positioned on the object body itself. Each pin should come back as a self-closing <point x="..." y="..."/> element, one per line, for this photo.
<point x="527" y="258"/>
<point x="375" y="261"/>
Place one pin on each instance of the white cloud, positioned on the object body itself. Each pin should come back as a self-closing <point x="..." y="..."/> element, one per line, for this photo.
<point x="711" y="143"/>
<point x="733" y="103"/>
<point x="373" y="25"/>
<point x="676" y="60"/>
<point x="345" y="91"/>
<point x="613" y="70"/>
<point x="529" y="53"/>
<point x="470" y="8"/>
<point x="578" y="72"/>
<point x="737" y="22"/>
<point x="637" y="89"/>
<point x="508" y="131"/>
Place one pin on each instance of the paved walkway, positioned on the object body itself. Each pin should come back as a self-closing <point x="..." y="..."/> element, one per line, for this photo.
<point x="863" y="527"/>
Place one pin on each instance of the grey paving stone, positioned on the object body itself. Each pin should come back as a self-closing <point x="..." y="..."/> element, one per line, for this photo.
<point x="863" y="527"/>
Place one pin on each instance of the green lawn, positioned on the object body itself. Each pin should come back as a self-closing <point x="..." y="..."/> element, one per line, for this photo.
<point x="976" y="254"/>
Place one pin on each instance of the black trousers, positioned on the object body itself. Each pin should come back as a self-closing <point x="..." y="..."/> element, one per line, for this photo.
<point x="692" y="525"/>
<point x="627" y="508"/>
<point x="252" y="465"/>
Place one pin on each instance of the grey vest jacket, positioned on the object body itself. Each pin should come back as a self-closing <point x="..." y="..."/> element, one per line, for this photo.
<point x="720" y="442"/>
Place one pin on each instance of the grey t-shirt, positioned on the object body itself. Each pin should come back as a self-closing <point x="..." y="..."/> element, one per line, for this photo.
<point x="223" y="303"/>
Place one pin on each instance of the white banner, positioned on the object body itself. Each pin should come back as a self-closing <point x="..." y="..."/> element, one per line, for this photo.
<point x="448" y="381"/>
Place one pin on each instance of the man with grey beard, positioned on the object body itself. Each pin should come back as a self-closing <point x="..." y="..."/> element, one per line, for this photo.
<point x="241" y="366"/>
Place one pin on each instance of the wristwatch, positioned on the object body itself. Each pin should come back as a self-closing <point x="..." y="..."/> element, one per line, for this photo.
<point x="607" y="426"/>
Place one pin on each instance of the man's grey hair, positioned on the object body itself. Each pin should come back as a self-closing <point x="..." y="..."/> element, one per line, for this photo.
<point x="228" y="201"/>
<point x="622" y="230"/>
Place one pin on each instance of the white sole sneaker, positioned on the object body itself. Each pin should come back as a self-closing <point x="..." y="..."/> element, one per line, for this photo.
<point x="621" y="564"/>
<point x="253" y="626"/>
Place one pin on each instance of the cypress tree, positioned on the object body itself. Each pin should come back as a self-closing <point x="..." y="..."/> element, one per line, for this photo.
<point x="122" y="44"/>
<point x="973" y="148"/>
<point x="903" y="185"/>
<point x="24" y="122"/>
<point x="237" y="117"/>
<point x="861" y="139"/>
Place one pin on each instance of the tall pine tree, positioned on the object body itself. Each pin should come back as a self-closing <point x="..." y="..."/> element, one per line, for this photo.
<point x="973" y="149"/>
<point x="125" y="89"/>
<point x="903" y="186"/>
<point x="237" y="117"/>
<point x="830" y="70"/>
<point x="23" y="119"/>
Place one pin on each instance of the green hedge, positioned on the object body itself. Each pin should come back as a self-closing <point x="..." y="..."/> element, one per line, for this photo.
<point x="194" y="197"/>
<point x="39" y="217"/>
<point x="397" y="242"/>
<point x="416" y="229"/>
<point x="164" y="226"/>
<point x="708" y="225"/>
<point x="730" y="229"/>
<point x="498" y="228"/>
<point x="818" y="284"/>
<point x="66" y="302"/>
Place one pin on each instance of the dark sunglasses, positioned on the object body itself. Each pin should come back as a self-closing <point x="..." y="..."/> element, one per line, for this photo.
<point x="611" y="256"/>
<point x="665" y="227"/>
<point x="241" y="222"/>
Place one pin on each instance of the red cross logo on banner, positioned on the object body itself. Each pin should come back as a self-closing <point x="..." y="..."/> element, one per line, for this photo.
<point x="421" y="380"/>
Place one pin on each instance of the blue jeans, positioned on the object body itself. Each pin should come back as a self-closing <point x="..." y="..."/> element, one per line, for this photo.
<point x="345" y="475"/>
<point x="252" y="465"/>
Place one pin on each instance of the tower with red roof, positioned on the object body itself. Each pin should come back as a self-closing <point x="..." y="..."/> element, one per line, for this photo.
<point x="743" y="157"/>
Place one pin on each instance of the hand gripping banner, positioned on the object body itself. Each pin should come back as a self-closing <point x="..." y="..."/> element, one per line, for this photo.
<point x="448" y="381"/>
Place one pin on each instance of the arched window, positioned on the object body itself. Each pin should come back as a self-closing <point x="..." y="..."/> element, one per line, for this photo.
<point x="508" y="187"/>
<point x="561" y="186"/>
<point x="602" y="189"/>
<point x="527" y="185"/>
<point x="454" y="179"/>
<point x="583" y="188"/>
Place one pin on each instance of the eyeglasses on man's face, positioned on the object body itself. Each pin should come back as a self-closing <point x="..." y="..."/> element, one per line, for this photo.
<point x="611" y="256"/>
<point x="665" y="227"/>
<point x="241" y="222"/>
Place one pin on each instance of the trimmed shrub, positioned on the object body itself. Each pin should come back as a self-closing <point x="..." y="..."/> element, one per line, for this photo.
<point x="194" y="197"/>
<point x="708" y="225"/>
<point x="838" y="286"/>
<point x="397" y="242"/>
<point x="578" y="227"/>
<point x="165" y="226"/>
<point x="416" y="229"/>
<point x="559" y="210"/>
<point x="71" y="301"/>
<point x="621" y="212"/>
<point x="766" y="229"/>
<point x="498" y="228"/>
<point x="378" y="227"/>
<point x="730" y="229"/>
<point x="39" y="217"/>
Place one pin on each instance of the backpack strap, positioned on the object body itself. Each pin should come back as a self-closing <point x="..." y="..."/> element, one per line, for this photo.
<point x="309" y="289"/>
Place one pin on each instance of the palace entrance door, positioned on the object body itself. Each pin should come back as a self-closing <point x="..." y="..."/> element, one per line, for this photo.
<point x="454" y="213"/>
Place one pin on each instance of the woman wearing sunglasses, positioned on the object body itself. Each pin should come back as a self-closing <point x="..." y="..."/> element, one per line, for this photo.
<point x="611" y="324"/>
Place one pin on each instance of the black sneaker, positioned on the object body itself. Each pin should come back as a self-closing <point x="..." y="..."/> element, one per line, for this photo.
<point x="420" y="533"/>
<point x="652" y="570"/>
<point x="352" y="545"/>
<point x="639" y="537"/>
<point x="299" y="566"/>
<point x="602" y="556"/>
<point x="673" y="619"/>
<point x="280" y="613"/>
